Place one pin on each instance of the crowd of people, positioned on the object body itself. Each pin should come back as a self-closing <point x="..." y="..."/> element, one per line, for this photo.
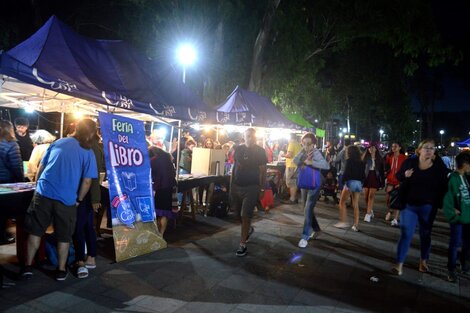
<point x="422" y="186"/>
<point x="421" y="182"/>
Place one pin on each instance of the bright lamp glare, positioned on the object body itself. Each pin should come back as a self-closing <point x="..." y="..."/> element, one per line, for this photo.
<point x="186" y="54"/>
<point x="230" y="128"/>
<point x="29" y="109"/>
<point x="276" y="134"/>
<point x="196" y="126"/>
<point x="78" y="115"/>
<point x="161" y="132"/>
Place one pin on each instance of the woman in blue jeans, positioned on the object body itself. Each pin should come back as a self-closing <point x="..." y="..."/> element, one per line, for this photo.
<point x="423" y="183"/>
<point x="310" y="156"/>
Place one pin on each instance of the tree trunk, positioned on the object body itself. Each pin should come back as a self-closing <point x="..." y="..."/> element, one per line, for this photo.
<point x="36" y="14"/>
<point x="260" y="45"/>
<point x="212" y="84"/>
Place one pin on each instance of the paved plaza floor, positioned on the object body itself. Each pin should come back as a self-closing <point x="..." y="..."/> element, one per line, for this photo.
<point x="341" y="271"/>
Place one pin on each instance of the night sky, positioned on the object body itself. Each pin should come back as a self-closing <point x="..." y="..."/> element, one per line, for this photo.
<point x="451" y="18"/>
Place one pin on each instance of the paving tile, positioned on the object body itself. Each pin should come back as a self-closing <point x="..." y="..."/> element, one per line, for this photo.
<point x="58" y="300"/>
<point x="206" y="307"/>
<point x="199" y="272"/>
<point x="158" y="304"/>
<point x="317" y="298"/>
<point x="241" y="281"/>
<point x="221" y="294"/>
<point x="301" y="308"/>
<point x="99" y="304"/>
<point x="23" y="308"/>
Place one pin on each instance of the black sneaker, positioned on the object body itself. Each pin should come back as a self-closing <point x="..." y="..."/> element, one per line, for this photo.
<point x="61" y="275"/>
<point x="7" y="240"/>
<point x="26" y="273"/>
<point x="242" y="250"/>
<point x="465" y="269"/>
<point x="452" y="276"/>
<point x="289" y="201"/>
<point x="250" y="232"/>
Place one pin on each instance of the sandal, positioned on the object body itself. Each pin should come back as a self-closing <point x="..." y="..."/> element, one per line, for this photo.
<point x="82" y="272"/>
<point x="397" y="271"/>
<point x="423" y="267"/>
<point x="90" y="265"/>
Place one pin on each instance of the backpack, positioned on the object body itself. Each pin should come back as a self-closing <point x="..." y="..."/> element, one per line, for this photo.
<point x="218" y="206"/>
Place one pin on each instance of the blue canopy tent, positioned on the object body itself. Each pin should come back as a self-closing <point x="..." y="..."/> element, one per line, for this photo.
<point x="106" y="72"/>
<point x="247" y="107"/>
<point x="463" y="144"/>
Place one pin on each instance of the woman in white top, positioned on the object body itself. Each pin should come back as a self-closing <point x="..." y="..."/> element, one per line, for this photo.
<point x="41" y="140"/>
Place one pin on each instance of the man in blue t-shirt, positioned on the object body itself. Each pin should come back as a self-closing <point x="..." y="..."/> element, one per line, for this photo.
<point x="247" y="183"/>
<point x="63" y="179"/>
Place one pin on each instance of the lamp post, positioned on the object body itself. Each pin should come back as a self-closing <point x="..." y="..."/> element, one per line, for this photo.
<point x="186" y="56"/>
<point x="442" y="133"/>
<point x="419" y="128"/>
<point x="381" y="132"/>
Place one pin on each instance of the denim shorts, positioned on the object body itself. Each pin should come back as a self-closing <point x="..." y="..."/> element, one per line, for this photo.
<point x="354" y="185"/>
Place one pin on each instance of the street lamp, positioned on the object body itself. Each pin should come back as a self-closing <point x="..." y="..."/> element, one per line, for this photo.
<point x="186" y="56"/>
<point x="381" y="132"/>
<point x="442" y="133"/>
<point x="420" y="124"/>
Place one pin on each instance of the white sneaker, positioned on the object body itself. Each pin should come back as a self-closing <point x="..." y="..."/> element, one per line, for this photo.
<point x="372" y="213"/>
<point x="314" y="235"/>
<point x="341" y="225"/>
<point x="367" y="218"/>
<point x="303" y="243"/>
<point x="354" y="228"/>
<point x="388" y="216"/>
<point x="394" y="223"/>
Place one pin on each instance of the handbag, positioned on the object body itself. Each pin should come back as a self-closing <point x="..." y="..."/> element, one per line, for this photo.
<point x="309" y="178"/>
<point x="395" y="202"/>
<point x="398" y="196"/>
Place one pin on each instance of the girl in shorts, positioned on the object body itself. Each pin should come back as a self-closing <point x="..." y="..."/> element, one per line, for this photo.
<point x="353" y="178"/>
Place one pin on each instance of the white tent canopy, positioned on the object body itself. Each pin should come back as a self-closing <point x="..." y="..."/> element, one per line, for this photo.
<point x="19" y="95"/>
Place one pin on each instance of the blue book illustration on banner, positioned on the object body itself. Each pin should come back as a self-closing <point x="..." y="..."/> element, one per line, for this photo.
<point x="144" y="205"/>
<point x="128" y="169"/>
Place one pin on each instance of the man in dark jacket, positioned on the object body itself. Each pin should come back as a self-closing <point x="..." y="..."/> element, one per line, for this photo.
<point x="22" y="135"/>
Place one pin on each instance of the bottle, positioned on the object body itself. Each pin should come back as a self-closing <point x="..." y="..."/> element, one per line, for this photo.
<point x="217" y="168"/>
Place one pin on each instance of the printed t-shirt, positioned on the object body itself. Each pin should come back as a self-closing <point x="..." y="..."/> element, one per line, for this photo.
<point x="65" y="163"/>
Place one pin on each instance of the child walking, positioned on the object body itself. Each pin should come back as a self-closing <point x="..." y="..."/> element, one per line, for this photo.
<point x="457" y="211"/>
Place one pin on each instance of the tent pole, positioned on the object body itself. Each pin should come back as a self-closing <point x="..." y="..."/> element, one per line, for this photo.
<point x="264" y="138"/>
<point x="171" y="138"/>
<point x="178" y="153"/>
<point x="62" y="115"/>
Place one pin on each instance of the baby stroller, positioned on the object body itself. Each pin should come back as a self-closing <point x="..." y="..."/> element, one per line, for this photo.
<point x="329" y="187"/>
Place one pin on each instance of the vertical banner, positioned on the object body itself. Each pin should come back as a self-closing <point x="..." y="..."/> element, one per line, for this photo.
<point x="135" y="231"/>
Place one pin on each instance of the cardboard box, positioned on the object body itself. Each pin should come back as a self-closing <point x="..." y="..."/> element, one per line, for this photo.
<point x="204" y="161"/>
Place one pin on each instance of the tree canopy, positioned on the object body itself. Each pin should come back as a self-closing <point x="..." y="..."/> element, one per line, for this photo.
<point x="318" y="58"/>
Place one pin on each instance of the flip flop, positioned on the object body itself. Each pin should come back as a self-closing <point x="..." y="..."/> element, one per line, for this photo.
<point x="90" y="266"/>
<point x="82" y="272"/>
